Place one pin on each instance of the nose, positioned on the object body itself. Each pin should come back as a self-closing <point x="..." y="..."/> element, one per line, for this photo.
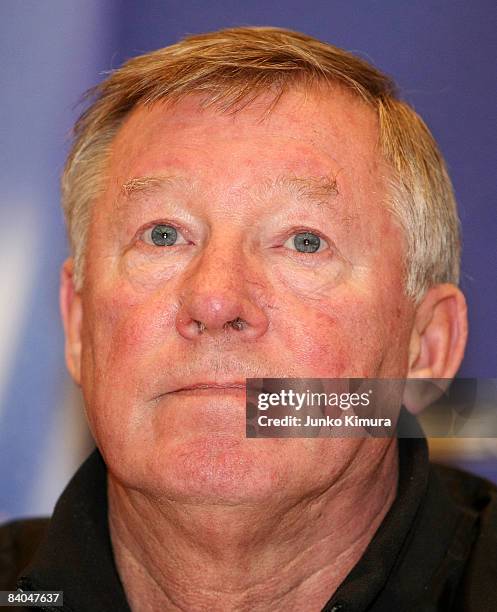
<point x="216" y="298"/>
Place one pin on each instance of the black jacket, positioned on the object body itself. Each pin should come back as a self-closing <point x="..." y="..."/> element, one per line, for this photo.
<point x="435" y="550"/>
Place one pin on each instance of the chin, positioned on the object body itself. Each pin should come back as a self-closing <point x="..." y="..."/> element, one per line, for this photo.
<point x="214" y="470"/>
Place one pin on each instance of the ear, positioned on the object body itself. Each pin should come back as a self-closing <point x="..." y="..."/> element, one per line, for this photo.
<point x="439" y="334"/>
<point x="72" y="314"/>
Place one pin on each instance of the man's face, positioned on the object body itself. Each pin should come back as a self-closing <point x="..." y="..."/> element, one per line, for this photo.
<point x="276" y="219"/>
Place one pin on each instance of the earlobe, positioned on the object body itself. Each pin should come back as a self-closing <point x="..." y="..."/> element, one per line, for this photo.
<point x="439" y="334"/>
<point x="72" y="314"/>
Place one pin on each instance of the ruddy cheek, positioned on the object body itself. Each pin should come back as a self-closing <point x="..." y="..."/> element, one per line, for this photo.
<point x="325" y="360"/>
<point x="333" y="335"/>
<point x="127" y="332"/>
<point x="144" y="323"/>
<point x="312" y="341"/>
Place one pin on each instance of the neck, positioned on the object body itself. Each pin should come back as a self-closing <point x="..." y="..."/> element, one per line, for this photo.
<point x="279" y="555"/>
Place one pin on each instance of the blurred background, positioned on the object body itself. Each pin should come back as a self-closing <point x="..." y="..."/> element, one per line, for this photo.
<point x="442" y="53"/>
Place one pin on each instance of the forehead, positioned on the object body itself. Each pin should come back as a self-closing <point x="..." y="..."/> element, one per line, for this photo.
<point x="325" y="134"/>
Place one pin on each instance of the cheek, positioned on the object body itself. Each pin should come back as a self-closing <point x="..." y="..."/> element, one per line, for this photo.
<point x="345" y="334"/>
<point x="122" y="331"/>
<point x="135" y="317"/>
<point x="325" y="340"/>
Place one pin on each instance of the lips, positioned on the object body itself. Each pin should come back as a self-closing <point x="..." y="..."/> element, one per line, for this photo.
<point x="201" y="386"/>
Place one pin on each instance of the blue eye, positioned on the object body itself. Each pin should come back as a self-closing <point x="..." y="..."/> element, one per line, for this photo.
<point x="163" y="235"/>
<point x="306" y="242"/>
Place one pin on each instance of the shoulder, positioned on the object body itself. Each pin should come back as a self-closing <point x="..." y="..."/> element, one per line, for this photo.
<point x="467" y="489"/>
<point x="477" y="496"/>
<point x="19" y="540"/>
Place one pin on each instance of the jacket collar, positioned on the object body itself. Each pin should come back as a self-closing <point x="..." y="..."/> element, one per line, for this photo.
<point x="75" y="555"/>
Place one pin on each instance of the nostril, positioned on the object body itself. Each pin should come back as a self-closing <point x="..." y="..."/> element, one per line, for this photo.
<point x="237" y="324"/>
<point x="200" y="326"/>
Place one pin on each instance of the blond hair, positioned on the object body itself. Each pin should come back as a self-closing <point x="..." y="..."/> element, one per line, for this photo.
<point x="231" y="68"/>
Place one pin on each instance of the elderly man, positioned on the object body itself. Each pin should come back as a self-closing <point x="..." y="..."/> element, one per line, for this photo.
<point x="256" y="203"/>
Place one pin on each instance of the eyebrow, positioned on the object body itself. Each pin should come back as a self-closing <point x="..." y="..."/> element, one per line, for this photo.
<point x="317" y="189"/>
<point x="148" y="184"/>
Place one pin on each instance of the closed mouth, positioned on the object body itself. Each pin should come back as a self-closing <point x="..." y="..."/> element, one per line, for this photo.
<point x="207" y="386"/>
